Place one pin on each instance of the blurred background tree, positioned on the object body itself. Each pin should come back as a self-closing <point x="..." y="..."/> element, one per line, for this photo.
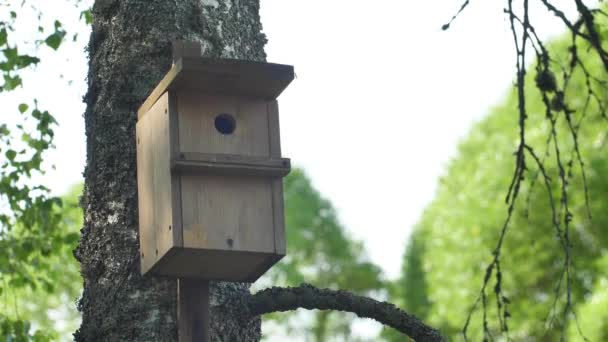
<point x="319" y="252"/>
<point x="452" y="244"/>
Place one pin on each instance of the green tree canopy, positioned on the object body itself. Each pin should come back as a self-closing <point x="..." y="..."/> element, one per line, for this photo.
<point x="452" y="244"/>
<point x="320" y="252"/>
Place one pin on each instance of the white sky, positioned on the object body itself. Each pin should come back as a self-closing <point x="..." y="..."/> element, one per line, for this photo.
<point x="381" y="98"/>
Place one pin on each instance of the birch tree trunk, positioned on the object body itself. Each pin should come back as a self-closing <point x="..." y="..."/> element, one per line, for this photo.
<point x="129" y="52"/>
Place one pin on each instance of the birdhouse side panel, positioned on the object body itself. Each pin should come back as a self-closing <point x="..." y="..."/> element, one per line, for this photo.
<point x="222" y="124"/>
<point x="278" y="206"/>
<point x="154" y="184"/>
<point x="228" y="213"/>
<point x="274" y="132"/>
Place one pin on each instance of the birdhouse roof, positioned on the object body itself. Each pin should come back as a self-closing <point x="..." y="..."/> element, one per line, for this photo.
<point x="223" y="77"/>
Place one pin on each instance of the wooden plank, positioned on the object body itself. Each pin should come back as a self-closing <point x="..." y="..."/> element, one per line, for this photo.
<point x="186" y="49"/>
<point x="176" y="195"/>
<point x="274" y="131"/>
<point x="277" y="185"/>
<point x="278" y="215"/>
<point x="235" y="77"/>
<point x="160" y="146"/>
<point x="223" y="77"/>
<point x="193" y="310"/>
<point x="197" y="131"/>
<point x="212" y="264"/>
<point x="145" y="189"/>
<point x="227" y="213"/>
<point x="231" y="164"/>
<point x="160" y="89"/>
<point x="154" y="184"/>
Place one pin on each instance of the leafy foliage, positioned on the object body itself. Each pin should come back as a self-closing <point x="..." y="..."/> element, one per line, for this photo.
<point x="592" y="314"/>
<point x="410" y="292"/>
<point x="33" y="232"/>
<point x="320" y="253"/>
<point x="48" y="279"/>
<point x="550" y="255"/>
<point x="587" y="30"/>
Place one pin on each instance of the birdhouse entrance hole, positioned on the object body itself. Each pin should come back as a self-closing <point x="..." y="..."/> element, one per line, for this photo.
<point x="225" y="123"/>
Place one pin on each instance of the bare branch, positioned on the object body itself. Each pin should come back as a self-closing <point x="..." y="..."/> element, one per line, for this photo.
<point x="462" y="7"/>
<point x="594" y="37"/>
<point x="554" y="97"/>
<point x="306" y="296"/>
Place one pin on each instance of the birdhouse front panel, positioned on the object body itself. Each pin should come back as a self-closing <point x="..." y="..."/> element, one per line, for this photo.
<point x="210" y="171"/>
<point x="223" y="124"/>
<point x="241" y="207"/>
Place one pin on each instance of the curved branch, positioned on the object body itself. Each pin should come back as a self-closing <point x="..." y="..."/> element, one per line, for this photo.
<point x="309" y="297"/>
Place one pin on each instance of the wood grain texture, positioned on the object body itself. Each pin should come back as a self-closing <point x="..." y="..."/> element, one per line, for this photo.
<point x="160" y="89"/>
<point x="145" y="184"/>
<point x="226" y="265"/>
<point x="197" y="132"/>
<point x="176" y="195"/>
<point x="227" y="213"/>
<point x="154" y="184"/>
<point x="222" y="77"/>
<point x="274" y="131"/>
<point x="231" y="164"/>
<point x="214" y="201"/>
<point x="278" y="216"/>
<point x="193" y="310"/>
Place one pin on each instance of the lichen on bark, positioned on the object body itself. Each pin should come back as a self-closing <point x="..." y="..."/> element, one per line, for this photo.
<point x="129" y="52"/>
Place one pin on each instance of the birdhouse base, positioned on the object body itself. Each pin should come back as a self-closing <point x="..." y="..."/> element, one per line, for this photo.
<point x="214" y="265"/>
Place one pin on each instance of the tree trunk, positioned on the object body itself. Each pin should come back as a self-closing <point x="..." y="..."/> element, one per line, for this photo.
<point x="129" y="52"/>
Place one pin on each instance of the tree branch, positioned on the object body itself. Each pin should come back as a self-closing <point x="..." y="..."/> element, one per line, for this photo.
<point x="309" y="297"/>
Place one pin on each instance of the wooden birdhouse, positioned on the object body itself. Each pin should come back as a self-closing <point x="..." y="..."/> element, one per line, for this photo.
<point x="209" y="170"/>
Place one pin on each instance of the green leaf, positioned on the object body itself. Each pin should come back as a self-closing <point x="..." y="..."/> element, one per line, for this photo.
<point x="23" y="108"/>
<point x="87" y="15"/>
<point x="11" y="53"/>
<point x="3" y="37"/>
<point x="11" y="154"/>
<point x="53" y="41"/>
<point x="4" y="130"/>
<point x="11" y="82"/>
<point x="25" y="61"/>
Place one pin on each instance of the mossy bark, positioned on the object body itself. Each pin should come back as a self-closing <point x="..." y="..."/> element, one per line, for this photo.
<point x="129" y="52"/>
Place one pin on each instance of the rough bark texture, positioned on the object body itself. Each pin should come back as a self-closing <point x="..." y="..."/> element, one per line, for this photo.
<point x="130" y="51"/>
<point x="309" y="297"/>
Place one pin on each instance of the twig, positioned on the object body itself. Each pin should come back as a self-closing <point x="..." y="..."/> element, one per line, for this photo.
<point x="462" y="7"/>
